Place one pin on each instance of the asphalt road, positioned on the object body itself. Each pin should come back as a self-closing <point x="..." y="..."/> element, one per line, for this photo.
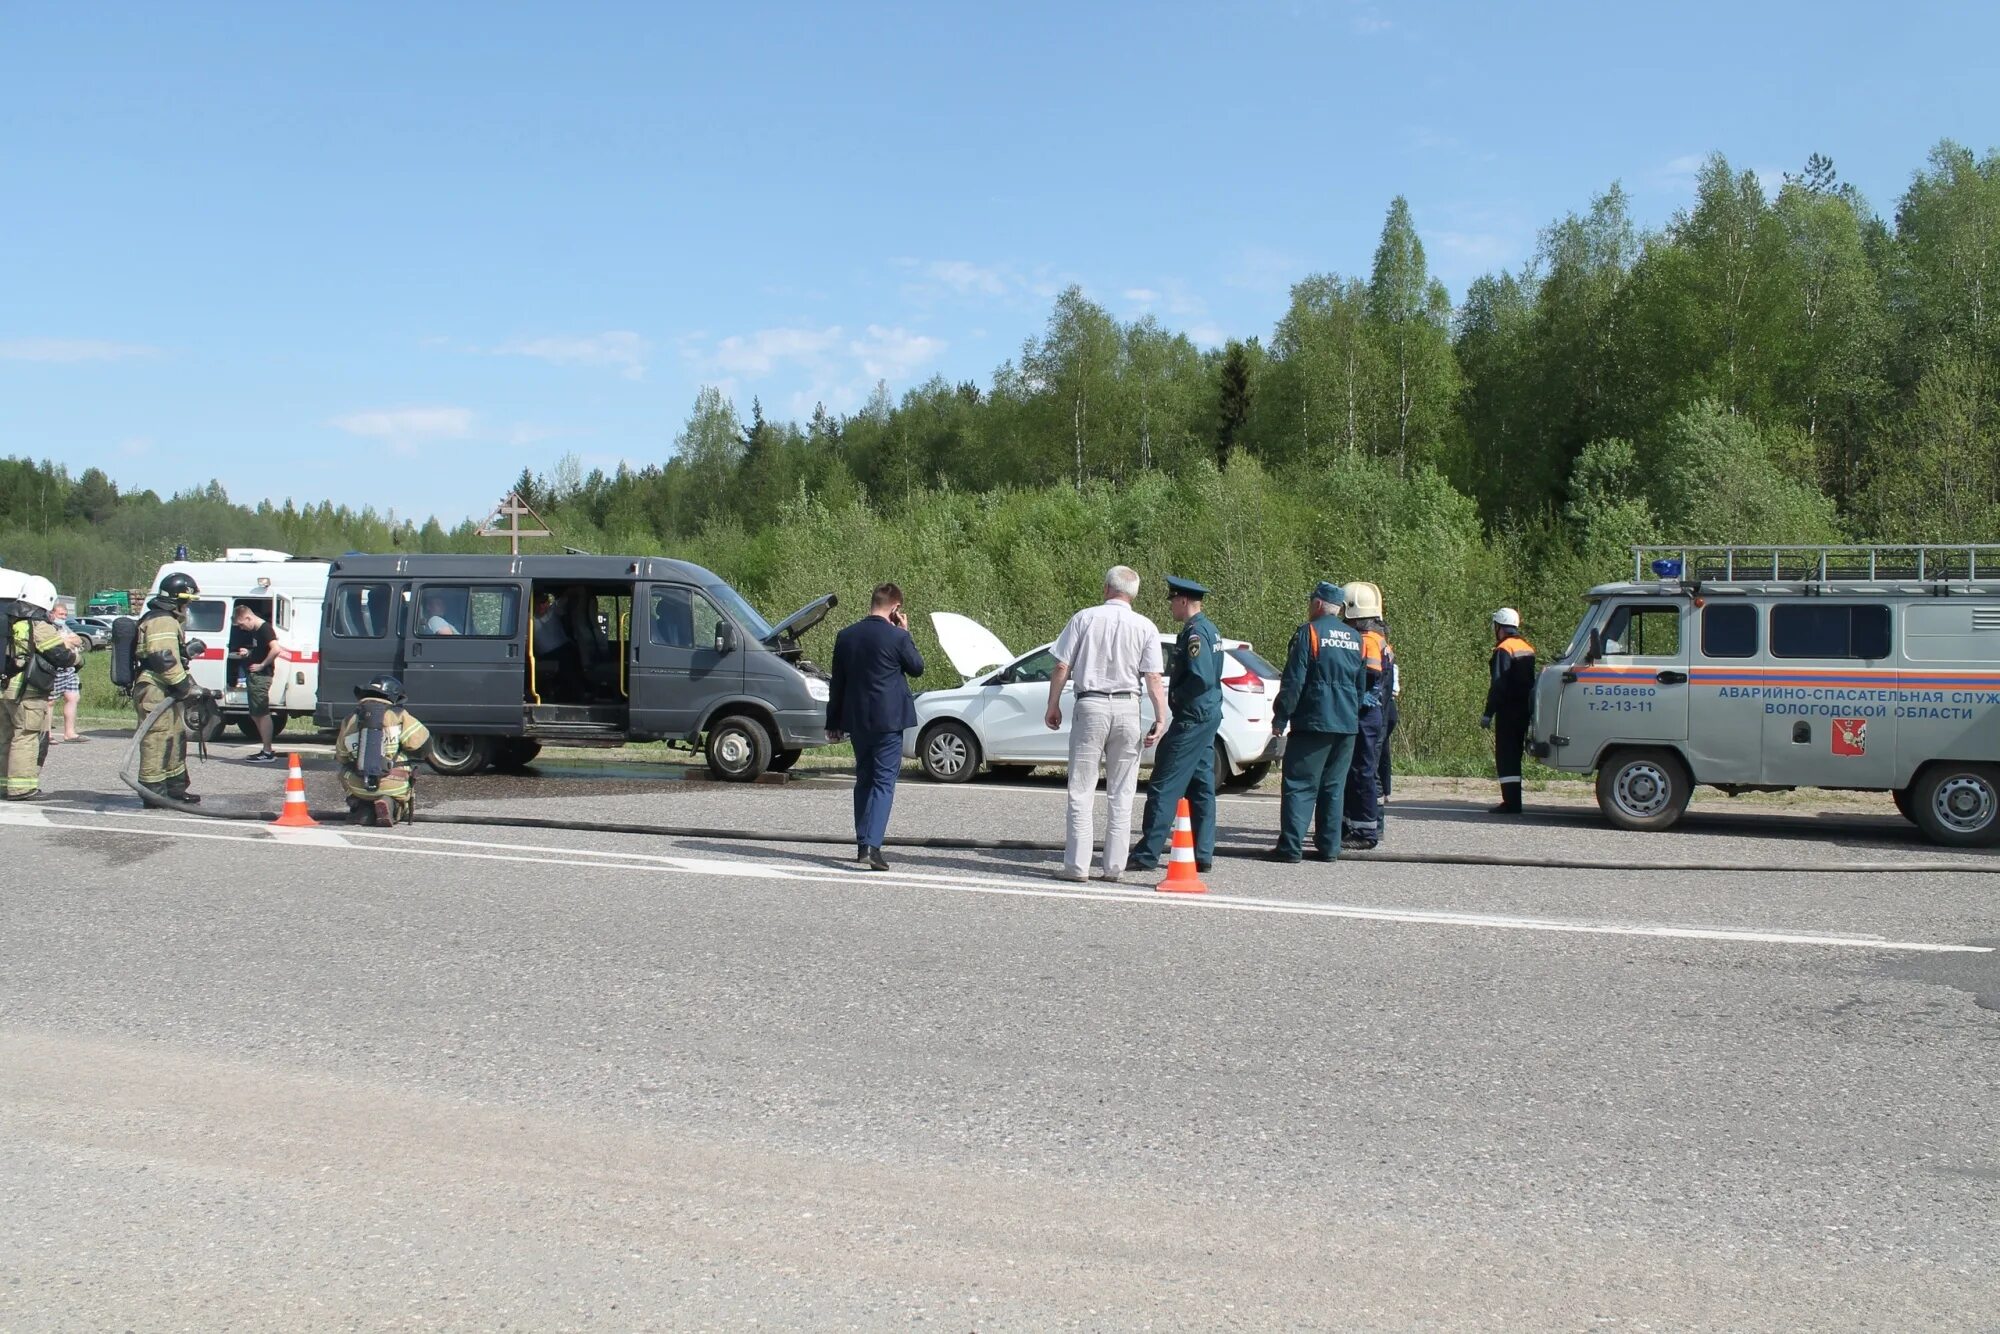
<point x="465" y="1077"/>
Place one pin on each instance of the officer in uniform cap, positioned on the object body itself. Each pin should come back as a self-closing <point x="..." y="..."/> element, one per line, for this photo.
<point x="1319" y="701"/>
<point x="161" y="674"/>
<point x="1184" y="763"/>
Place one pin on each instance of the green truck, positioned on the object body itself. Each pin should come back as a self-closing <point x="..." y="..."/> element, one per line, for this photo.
<point x="109" y="602"/>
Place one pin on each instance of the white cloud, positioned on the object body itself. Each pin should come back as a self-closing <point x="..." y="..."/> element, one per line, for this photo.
<point x="887" y="354"/>
<point x="618" y="348"/>
<point x="1676" y="173"/>
<point x="407" y="427"/>
<point x="962" y="277"/>
<point x="67" y="351"/>
<point x="1141" y="296"/>
<point x="1206" y="335"/>
<point x="760" y="353"/>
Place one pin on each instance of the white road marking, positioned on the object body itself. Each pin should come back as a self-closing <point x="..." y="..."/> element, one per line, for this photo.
<point x="411" y="844"/>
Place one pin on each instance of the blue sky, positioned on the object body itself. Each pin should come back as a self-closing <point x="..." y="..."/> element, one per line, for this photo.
<point x="392" y="254"/>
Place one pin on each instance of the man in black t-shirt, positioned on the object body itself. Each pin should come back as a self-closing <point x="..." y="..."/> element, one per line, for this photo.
<point x="253" y="655"/>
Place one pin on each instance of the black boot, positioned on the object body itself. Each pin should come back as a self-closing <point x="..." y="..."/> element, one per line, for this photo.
<point x="876" y="862"/>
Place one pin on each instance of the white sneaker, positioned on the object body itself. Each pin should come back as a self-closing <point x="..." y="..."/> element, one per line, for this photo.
<point x="1072" y="873"/>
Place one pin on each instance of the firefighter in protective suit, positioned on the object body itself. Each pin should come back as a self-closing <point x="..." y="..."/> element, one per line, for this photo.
<point x="376" y="747"/>
<point x="35" y="650"/>
<point x="160" y="674"/>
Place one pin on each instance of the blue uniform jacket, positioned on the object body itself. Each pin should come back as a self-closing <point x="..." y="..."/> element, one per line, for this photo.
<point x="1194" y="678"/>
<point x="868" y="693"/>
<point x="1324" y="679"/>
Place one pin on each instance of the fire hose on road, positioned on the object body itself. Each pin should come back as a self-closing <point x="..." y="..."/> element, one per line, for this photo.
<point x="129" y="773"/>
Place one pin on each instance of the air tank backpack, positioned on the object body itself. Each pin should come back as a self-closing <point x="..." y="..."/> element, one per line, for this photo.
<point x="124" y="652"/>
<point x="371" y="749"/>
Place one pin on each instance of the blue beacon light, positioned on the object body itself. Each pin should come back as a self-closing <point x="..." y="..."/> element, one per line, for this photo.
<point x="1667" y="568"/>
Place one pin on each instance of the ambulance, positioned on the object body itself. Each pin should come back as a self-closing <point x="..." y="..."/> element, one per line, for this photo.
<point x="287" y="591"/>
<point x="1761" y="669"/>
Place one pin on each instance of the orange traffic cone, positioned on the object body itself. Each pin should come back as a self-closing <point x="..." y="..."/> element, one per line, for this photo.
<point x="1182" y="878"/>
<point x="295" y="815"/>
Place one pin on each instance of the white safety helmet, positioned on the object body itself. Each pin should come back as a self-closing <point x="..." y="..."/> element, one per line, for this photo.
<point x="1363" y="601"/>
<point x="1508" y="618"/>
<point x="38" y="593"/>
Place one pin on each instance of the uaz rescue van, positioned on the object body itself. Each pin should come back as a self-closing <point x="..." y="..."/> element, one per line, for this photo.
<point x="288" y="592"/>
<point x="1769" y="668"/>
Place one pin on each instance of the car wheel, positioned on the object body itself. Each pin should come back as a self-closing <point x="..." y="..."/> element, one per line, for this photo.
<point x="784" y="760"/>
<point x="1958" y="805"/>
<point x="1643" y="789"/>
<point x="949" y="753"/>
<point x="456" y="755"/>
<point x="739" y="749"/>
<point x="515" y="753"/>
<point x="1249" y="778"/>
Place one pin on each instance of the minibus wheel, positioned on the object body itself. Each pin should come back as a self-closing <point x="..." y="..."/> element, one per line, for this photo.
<point x="1958" y="805"/>
<point x="455" y="755"/>
<point x="1643" y="789"/>
<point x="784" y="760"/>
<point x="515" y="753"/>
<point x="739" y="749"/>
<point x="1906" y="803"/>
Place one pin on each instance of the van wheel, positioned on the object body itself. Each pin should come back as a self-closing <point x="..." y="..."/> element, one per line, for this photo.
<point x="1958" y="805"/>
<point x="515" y="753"/>
<point x="248" y="728"/>
<point x="949" y="753"/>
<point x="1906" y="803"/>
<point x="739" y="749"/>
<point x="1643" y="789"/>
<point x="784" y="760"/>
<point x="456" y="755"/>
<point x="211" y="726"/>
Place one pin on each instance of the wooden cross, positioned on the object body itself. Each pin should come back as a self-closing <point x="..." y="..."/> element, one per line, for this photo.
<point x="512" y="508"/>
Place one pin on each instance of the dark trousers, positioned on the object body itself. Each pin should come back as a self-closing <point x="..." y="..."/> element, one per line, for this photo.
<point x="1361" y="808"/>
<point x="1510" y="738"/>
<point x="1316" y="766"/>
<point x="1383" y="777"/>
<point x="878" y="759"/>
<point x="1183" y="766"/>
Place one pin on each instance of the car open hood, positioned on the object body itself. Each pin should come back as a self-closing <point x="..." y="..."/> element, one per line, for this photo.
<point x="802" y="620"/>
<point x="973" y="649"/>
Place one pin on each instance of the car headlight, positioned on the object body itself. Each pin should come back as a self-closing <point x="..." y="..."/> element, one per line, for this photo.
<point x="818" y="689"/>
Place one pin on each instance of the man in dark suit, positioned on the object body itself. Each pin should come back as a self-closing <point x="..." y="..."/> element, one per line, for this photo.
<point x="869" y="701"/>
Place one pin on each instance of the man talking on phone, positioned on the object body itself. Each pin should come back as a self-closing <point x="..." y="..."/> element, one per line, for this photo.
<point x="869" y="702"/>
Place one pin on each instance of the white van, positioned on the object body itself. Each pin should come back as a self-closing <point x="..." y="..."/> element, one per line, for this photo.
<point x="289" y="592"/>
<point x="1768" y="668"/>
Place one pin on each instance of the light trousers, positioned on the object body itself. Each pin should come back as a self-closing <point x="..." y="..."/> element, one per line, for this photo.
<point x="1105" y="735"/>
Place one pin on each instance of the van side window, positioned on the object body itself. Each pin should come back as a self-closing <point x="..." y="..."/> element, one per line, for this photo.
<point x="1729" y="630"/>
<point x="1835" y="631"/>
<point x="683" y="618"/>
<point x="1643" y="632"/>
<point x="207" y="617"/>
<point x="486" y="612"/>
<point x="361" y="611"/>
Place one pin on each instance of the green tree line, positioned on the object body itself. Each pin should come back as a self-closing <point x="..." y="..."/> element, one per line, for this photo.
<point x="1783" y="365"/>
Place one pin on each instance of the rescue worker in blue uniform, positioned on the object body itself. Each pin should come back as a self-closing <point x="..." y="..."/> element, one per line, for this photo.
<point x="1361" y="806"/>
<point x="1319" y="705"/>
<point x="1184" y="763"/>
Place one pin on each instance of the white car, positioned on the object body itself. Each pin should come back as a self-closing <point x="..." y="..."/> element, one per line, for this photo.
<point x="995" y="718"/>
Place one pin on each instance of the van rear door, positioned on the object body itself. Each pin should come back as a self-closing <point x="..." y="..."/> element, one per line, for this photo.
<point x="466" y="655"/>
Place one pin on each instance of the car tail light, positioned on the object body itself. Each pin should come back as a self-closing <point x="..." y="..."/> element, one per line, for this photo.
<point x="1249" y="683"/>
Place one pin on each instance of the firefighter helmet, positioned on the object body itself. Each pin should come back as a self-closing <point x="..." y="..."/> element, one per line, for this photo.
<point x="179" y="587"/>
<point x="382" y="686"/>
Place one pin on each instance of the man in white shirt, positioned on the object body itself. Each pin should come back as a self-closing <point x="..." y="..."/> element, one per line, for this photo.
<point x="1111" y="653"/>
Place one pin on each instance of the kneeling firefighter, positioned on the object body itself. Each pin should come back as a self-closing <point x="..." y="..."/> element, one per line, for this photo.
<point x="375" y="748"/>
<point x="154" y="668"/>
<point x="36" y="650"/>
<point x="1361" y="806"/>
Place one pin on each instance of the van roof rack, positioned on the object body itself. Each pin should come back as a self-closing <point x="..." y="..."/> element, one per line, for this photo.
<point x="1930" y="564"/>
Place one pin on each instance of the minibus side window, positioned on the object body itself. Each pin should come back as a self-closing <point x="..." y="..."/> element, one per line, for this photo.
<point x="1729" y="630"/>
<point x="1830" y="631"/>
<point x="361" y="611"/>
<point x="482" y="611"/>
